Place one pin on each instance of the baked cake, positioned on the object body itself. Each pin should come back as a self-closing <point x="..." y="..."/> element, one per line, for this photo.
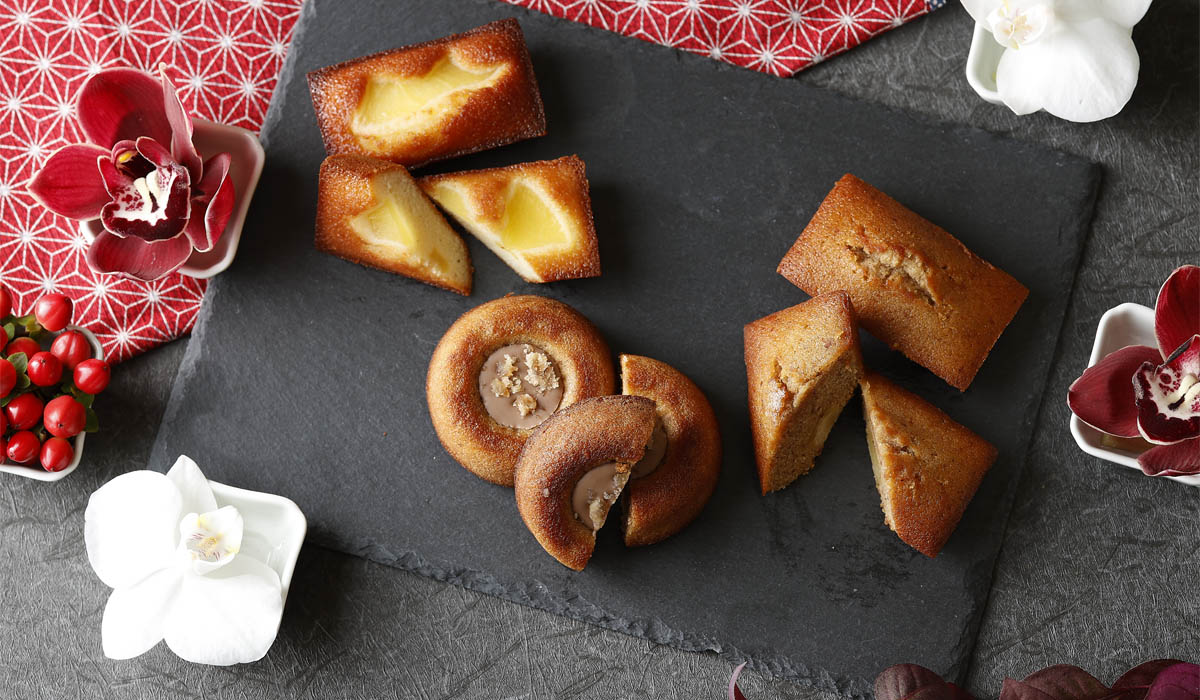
<point x="502" y="369"/>
<point x="913" y="285"/>
<point x="574" y="467"/>
<point x="371" y="212"/>
<point x="802" y="366"/>
<point x="426" y="102"/>
<point x="927" y="466"/>
<point x="671" y="484"/>
<point x="536" y="216"/>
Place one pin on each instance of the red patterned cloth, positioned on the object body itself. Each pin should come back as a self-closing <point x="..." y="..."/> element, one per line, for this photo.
<point x="779" y="37"/>
<point x="226" y="56"/>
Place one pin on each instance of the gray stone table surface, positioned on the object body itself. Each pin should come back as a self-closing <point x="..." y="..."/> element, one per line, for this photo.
<point x="1099" y="564"/>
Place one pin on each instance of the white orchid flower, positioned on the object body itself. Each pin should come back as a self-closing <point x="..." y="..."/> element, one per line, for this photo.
<point x="1073" y="58"/>
<point x="172" y="558"/>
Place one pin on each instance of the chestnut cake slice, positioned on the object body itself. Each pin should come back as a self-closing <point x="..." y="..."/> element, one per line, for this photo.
<point x="573" y="468"/>
<point x="371" y="212"/>
<point x="802" y="367"/>
<point x="443" y="98"/>
<point x="913" y="285"/>
<point x="927" y="466"/>
<point x="536" y="216"/>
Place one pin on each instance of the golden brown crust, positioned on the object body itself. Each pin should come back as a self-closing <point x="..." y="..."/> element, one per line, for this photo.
<point x="928" y="465"/>
<point x="468" y="433"/>
<point x="344" y="190"/>
<point x="913" y="285"/>
<point x="565" y="181"/>
<point x="570" y="443"/>
<point x="665" y="501"/>
<point x="507" y="111"/>
<point x="789" y="354"/>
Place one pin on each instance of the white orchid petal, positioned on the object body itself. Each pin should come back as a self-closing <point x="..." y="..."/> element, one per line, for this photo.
<point x="1125" y="13"/>
<point x="208" y="541"/>
<point x="229" y="616"/>
<point x="134" y="616"/>
<point x="1083" y="72"/>
<point x="129" y="527"/>
<point x="197" y="494"/>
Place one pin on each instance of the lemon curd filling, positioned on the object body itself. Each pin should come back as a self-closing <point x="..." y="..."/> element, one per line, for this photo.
<point x="389" y="226"/>
<point x="529" y="222"/>
<point x="393" y="103"/>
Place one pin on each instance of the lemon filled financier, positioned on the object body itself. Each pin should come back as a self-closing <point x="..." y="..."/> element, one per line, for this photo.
<point x="502" y="369"/>
<point x="439" y="99"/>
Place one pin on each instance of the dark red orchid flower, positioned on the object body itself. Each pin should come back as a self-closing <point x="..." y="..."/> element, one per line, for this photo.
<point x="140" y="174"/>
<point x="1153" y="393"/>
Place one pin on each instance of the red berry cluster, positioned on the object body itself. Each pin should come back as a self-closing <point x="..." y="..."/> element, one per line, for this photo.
<point x="46" y="394"/>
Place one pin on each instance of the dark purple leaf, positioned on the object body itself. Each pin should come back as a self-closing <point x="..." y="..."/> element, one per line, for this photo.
<point x="1177" y="308"/>
<point x="1178" y="682"/>
<point x="1136" y="681"/>
<point x="735" y="693"/>
<point x="903" y="680"/>
<point x="1061" y="682"/>
<point x="1103" y="396"/>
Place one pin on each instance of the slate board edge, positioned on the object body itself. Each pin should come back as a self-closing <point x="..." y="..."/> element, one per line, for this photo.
<point x="971" y="629"/>
<point x="652" y="629"/>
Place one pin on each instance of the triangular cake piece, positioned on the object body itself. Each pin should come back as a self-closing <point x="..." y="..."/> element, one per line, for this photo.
<point x="371" y="212"/>
<point x="927" y="466"/>
<point x="802" y="366"/>
<point x="536" y="216"/>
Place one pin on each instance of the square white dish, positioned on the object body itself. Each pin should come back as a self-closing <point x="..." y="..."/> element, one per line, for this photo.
<point x="982" y="60"/>
<point x="244" y="168"/>
<point x="274" y="528"/>
<point x="1120" y="326"/>
<point x="35" y="471"/>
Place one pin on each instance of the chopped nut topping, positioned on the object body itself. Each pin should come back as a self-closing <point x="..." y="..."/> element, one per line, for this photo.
<point x="506" y="383"/>
<point x="541" y="373"/>
<point x="526" y="404"/>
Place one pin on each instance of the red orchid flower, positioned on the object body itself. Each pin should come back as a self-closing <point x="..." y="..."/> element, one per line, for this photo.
<point x="1149" y="392"/>
<point x="140" y="174"/>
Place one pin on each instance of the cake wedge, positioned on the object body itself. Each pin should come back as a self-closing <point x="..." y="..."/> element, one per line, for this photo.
<point x="803" y="365"/>
<point x="371" y="212"/>
<point x="927" y="466"/>
<point x="537" y="217"/>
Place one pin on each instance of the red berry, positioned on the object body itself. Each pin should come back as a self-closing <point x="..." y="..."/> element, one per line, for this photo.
<point x="53" y="311"/>
<point x="8" y="377"/>
<point x="23" y="447"/>
<point x="71" y="347"/>
<point x="64" y="417"/>
<point x="5" y="302"/>
<point x="29" y="346"/>
<point x="24" y="411"/>
<point x="45" y="369"/>
<point x="91" y="376"/>
<point x="56" y="454"/>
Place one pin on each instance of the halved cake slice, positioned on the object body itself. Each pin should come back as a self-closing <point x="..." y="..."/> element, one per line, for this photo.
<point x="371" y="212"/>
<point x="802" y="366"/>
<point x="425" y="102"/>
<point x="536" y="216"/>
<point x="927" y="466"/>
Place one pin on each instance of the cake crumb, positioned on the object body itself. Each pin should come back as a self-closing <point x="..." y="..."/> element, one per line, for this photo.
<point x="525" y="404"/>
<point x="506" y="382"/>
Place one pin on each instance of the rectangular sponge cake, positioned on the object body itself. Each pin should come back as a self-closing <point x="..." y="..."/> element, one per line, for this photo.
<point x="913" y="285"/>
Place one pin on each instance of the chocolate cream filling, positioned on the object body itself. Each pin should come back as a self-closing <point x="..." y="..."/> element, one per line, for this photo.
<point x="520" y="386"/>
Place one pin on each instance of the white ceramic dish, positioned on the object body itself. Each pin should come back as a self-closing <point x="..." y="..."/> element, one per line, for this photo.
<point x="245" y="168"/>
<point x="274" y="528"/>
<point x="1127" y="324"/>
<point x="982" y="61"/>
<point x="34" y="470"/>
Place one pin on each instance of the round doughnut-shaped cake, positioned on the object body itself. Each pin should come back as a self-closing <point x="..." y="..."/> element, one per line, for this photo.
<point x="502" y="369"/>
<point x="573" y="468"/>
<point x="672" y="484"/>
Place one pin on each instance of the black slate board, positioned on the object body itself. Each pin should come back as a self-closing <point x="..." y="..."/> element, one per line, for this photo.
<point x="305" y="374"/>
